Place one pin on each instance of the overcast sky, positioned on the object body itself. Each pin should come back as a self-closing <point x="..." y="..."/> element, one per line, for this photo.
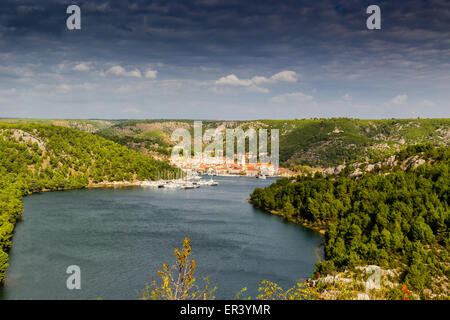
<point x="213" y="59"/>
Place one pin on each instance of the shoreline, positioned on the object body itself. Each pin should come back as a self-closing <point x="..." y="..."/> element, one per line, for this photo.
<point x="118" y="184"/>
<point x="320" y="230"/>
<point x="98" y="185"/>
<point x="303" y="224"/>
<point x="112" y="184"/>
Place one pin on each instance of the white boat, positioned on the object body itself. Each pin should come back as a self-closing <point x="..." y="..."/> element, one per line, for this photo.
<point x="179" y="184"/>
<point x="210" y="182"/>
<point x="171" y="185"/>
<point x="193" y="177"/>
<point x="190" y="186"/>
<point x="152" y="184"/>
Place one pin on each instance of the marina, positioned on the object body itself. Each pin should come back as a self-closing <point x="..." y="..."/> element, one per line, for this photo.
<point x="193" y="182"/>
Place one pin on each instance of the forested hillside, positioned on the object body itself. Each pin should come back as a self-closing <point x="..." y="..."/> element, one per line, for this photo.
<point x="36" y="157"/>
<point x="395" y="217"/>
<point x="150" y="137"/>
<point x="329" y="142"/>
<point x="312" y="142"/>
<point x="79" y="124"/>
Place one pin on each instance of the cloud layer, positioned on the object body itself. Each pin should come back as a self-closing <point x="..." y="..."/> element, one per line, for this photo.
<point x="255" y="82"/>
<point x="225" y="59"/>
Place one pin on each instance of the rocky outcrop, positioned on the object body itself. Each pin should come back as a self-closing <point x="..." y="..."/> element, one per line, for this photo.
<point x="27" y="137"/>
<point x="359" y="168"/>
<point x="363" y="283"/>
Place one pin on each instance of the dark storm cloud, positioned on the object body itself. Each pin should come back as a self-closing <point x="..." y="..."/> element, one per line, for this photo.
<point x="223" y="31"/>
<point x="325" y="42"/>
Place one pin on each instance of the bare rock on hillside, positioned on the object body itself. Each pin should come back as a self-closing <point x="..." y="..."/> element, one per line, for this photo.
<point x="28" y="137"/>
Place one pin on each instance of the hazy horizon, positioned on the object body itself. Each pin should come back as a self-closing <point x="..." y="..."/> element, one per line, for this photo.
<point x="218" y="119"/>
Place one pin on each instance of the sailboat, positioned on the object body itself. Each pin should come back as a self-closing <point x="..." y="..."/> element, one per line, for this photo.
<point x="213" y="183"/>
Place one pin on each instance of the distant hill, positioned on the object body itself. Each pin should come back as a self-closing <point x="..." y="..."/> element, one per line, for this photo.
<point x="90" y="126"/>
<point x="312" y="142"/>
<point x="317" y="143"/>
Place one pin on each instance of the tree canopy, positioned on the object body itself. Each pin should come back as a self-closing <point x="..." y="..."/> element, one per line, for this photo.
<point x="392" y="218"/>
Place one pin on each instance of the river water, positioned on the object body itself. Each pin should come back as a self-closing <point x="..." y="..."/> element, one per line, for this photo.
<point x="120" y="237"/>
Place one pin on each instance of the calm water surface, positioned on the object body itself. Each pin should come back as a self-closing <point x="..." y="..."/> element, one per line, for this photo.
<point x="120" y="237"/>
